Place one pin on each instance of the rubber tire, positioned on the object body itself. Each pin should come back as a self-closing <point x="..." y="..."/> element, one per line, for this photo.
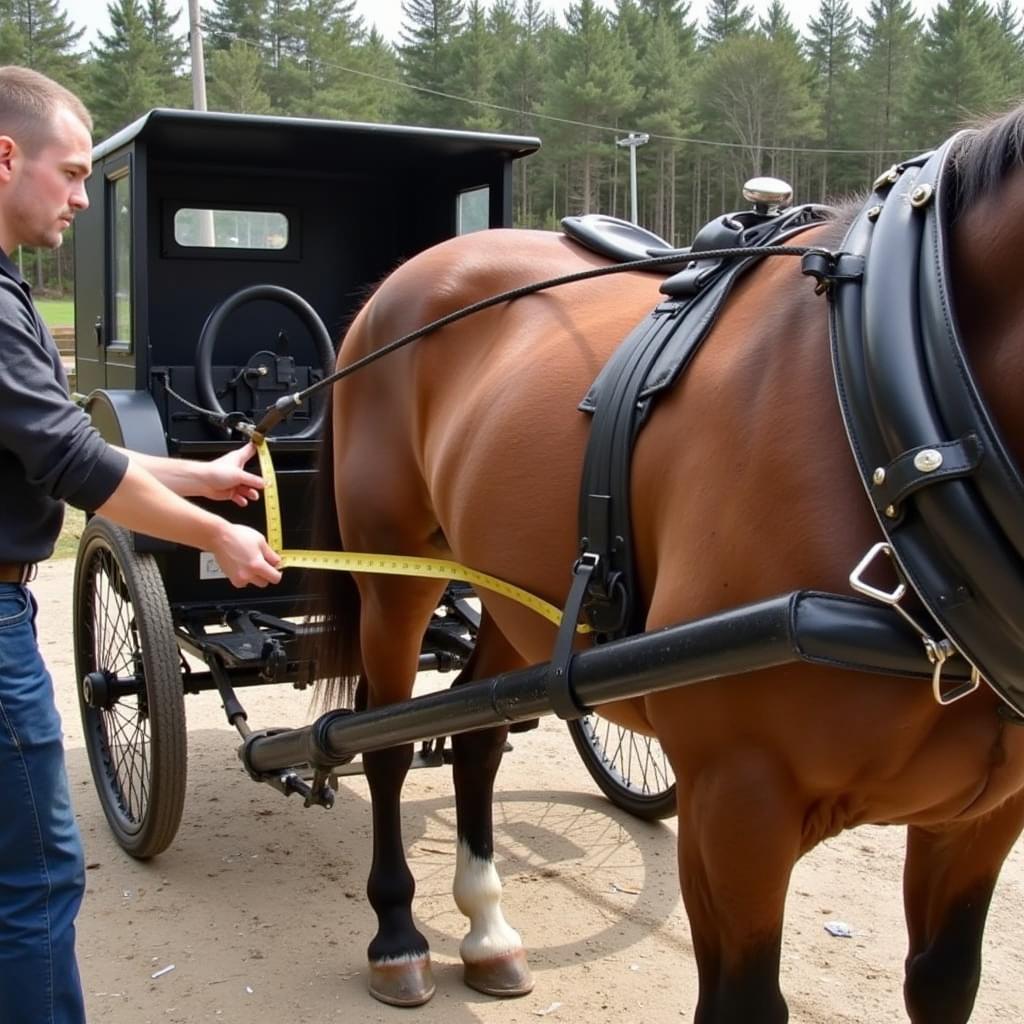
<point x="149" y="829"/>
<point x="644" y="804"/>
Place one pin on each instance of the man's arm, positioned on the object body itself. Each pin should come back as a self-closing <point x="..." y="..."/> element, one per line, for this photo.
<point x="141" y="502"/>
<point x="222" y="479"/>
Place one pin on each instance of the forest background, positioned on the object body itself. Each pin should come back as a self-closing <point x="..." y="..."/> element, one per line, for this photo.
<point x="722" y="98"/>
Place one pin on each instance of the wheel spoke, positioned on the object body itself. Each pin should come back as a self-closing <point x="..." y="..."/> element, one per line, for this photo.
<point x="635" y="762"/>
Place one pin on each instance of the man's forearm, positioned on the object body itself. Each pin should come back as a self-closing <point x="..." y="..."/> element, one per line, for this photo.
<point x="144" y="502"/>
<point x="183" y="476"/>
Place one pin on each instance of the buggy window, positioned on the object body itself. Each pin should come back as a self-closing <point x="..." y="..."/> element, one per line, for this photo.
<point x="473" y="212"/>
<point x="121" y="259"/>
<point x="230" y="229"/>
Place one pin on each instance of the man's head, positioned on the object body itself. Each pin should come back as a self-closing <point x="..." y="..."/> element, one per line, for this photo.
<point x="45" y="157"/>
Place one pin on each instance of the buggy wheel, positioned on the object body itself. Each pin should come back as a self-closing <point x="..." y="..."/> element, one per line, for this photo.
<point x="129" y="689"/>
<point x="631" y="769"/>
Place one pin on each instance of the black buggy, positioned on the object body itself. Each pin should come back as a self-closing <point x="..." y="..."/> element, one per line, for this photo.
<point x="220" y="259"/>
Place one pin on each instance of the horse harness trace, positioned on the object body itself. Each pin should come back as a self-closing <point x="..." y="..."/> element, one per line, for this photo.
<point x="946" y="492"/>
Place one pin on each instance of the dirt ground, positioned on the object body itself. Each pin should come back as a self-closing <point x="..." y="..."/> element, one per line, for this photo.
<point x="259" y="904"/>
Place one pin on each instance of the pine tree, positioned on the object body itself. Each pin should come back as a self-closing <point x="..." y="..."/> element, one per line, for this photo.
<point x="962" y="67"/>
<point x="591" y="84"/>
<point x="520" y="77"/>
<point x="228" y="21"/>
<point x="1008" y="47"/>
<point x="676" y="14"/>
<point x="776" y="24"/>
<point x="830" y="47"/>
<point x="170" y="47"/>
<point x="429" y="60"/>
<point x="235" y="80"/>
<point x="630" y="22"/>
<point x="372" y="94"/>
<point x="130" y="72"/>
<point x="476" y="55"/>
<point x="38" y="34"/>
<point x="881" y="121"/>
<point x="666" y="109"/>
<point x="322" y="36"/>
<point x="725" y="19"/>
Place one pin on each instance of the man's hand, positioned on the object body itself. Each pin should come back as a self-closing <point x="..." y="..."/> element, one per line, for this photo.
<point x="246" y="557"/>
<point x="225" y="479"/>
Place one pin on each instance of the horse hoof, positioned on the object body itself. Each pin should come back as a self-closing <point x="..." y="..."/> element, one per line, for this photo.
<point x="405" y="982"/>
<point x="505" y="976"/>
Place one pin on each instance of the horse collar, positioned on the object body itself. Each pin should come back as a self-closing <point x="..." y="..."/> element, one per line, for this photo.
<point x="947" y="494"/>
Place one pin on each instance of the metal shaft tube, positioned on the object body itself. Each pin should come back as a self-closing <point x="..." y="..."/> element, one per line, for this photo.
<point x="842" y="632"/>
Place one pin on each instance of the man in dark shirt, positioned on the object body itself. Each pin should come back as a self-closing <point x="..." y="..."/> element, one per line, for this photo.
<point x="50" y="454"/>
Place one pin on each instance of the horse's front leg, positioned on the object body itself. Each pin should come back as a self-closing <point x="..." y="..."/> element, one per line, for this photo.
<point x="948" y="880"/>
<point x="739" y="836"/>
<point x="492" y="951"/>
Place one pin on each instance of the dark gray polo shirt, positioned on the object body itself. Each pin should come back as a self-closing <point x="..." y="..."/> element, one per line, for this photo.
<point x="49" y="451"/>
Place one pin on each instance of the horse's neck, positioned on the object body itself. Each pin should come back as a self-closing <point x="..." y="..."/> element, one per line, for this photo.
<point x="987" y="243"/>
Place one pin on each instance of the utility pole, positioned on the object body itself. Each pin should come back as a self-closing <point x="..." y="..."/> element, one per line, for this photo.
<point x="195" y="40"/>
<point x="633" y="140"/>
<point x="207" y="235"/>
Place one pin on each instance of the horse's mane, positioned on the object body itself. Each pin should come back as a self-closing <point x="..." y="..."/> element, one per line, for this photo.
<point x="986" y="156"/>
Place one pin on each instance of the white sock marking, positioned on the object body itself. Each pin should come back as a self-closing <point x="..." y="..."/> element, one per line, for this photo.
<point x="477" y="891"/>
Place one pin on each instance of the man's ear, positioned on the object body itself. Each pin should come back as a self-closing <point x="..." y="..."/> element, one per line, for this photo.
<point x="8" y="149"/>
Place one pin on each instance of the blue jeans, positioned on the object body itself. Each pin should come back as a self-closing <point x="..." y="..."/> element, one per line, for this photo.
<point x="42" y="872"/>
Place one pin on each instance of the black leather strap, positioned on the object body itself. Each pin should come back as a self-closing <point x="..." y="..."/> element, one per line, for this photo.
<point x="922" y="467"/>
<point x="649" y="361"/>
<point x="558" y="681"/>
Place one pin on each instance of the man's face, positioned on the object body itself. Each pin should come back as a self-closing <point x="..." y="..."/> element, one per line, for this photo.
<point x="41" y="193"/>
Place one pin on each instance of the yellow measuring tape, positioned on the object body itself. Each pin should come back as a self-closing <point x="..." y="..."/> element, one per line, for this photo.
<point x="393" y="565"/>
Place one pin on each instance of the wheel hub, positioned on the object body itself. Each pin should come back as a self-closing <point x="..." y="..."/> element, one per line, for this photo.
<point x="102" y="689"/>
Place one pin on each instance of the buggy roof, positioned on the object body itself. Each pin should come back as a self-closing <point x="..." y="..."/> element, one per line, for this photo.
<point x="296" y="142"/>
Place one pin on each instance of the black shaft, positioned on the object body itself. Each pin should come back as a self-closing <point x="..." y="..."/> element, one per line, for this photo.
<point x="843" y="632"/>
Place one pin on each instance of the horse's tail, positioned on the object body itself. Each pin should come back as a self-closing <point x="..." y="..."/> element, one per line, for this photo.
<point x="335" y="597"/>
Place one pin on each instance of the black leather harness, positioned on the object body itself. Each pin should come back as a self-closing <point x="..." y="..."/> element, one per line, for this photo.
<point x="948" y="497"/>
<point x="648" y="362"/>
<point x="947" y="494"/>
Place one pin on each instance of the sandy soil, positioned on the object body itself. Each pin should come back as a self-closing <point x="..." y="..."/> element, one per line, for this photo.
<point x="259" y="902"/>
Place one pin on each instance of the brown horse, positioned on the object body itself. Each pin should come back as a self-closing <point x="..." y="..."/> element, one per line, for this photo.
<point x="468" y="445"/>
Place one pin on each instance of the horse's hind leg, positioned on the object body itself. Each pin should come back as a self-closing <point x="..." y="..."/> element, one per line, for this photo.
<point x="492" y="951"/>
<point x="394" y="616"/>
<point x="948" y="880"/>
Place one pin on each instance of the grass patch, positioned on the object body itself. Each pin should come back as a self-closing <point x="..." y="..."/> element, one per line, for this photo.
<point x="57" y="312"/>
<point x="67" y="542"/>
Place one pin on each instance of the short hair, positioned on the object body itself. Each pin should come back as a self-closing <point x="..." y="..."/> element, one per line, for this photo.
<point x="29" y="102"/>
